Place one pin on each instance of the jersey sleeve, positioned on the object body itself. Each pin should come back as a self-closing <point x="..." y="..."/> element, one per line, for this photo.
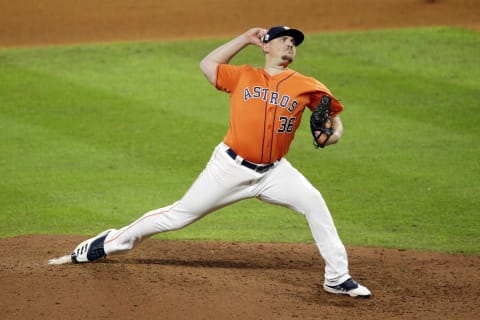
<point x="227" y="77"/>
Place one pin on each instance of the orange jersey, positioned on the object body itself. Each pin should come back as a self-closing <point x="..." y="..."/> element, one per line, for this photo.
<point x="265" y="110"/>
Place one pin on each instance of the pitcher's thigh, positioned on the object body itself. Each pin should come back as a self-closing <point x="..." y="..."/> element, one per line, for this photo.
<point x="288" y="187"/>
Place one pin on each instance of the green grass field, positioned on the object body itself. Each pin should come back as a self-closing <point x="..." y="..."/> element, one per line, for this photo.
<point x="93" y="136"/>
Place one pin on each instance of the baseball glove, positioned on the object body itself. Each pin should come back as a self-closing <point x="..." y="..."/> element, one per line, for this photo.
<point x="321" y="123"/>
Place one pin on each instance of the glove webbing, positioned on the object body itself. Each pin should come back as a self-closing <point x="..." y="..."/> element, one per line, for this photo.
<point x="321" y="123"/>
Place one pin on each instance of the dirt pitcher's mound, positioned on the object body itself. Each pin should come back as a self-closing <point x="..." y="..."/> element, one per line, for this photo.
<point x="217" y="280"/>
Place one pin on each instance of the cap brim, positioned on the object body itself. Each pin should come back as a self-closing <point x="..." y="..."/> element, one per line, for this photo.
<point x="294" y="33"/>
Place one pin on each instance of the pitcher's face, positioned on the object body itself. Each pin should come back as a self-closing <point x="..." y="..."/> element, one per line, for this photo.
<point x="282" y="48"/>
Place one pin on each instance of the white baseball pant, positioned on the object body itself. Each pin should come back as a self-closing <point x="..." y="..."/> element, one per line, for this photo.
<point x="225" y="181"/>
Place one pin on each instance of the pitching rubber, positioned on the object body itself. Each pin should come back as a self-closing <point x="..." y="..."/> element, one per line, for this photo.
<point x="60" y="260"/>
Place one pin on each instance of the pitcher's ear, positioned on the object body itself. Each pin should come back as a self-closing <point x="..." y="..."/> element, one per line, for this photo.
<point x="265" y="48"/>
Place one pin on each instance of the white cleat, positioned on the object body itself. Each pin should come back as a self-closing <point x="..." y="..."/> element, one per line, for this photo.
<point x="349" y="287"/>
<point x="91" y="249"/>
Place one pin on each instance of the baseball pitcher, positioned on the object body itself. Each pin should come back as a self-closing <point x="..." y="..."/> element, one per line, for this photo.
<point x="266" y="107"/>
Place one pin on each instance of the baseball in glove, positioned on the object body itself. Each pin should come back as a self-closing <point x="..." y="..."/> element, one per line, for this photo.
<point x="321" y="123"/>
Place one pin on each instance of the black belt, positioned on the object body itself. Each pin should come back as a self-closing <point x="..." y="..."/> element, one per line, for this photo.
<point x="250" y="165"/>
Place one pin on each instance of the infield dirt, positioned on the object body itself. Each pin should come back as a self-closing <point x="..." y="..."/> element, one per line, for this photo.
<point x="219" y="280"/>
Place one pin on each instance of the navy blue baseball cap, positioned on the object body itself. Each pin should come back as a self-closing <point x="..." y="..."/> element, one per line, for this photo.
<point x="279" y="31"/>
